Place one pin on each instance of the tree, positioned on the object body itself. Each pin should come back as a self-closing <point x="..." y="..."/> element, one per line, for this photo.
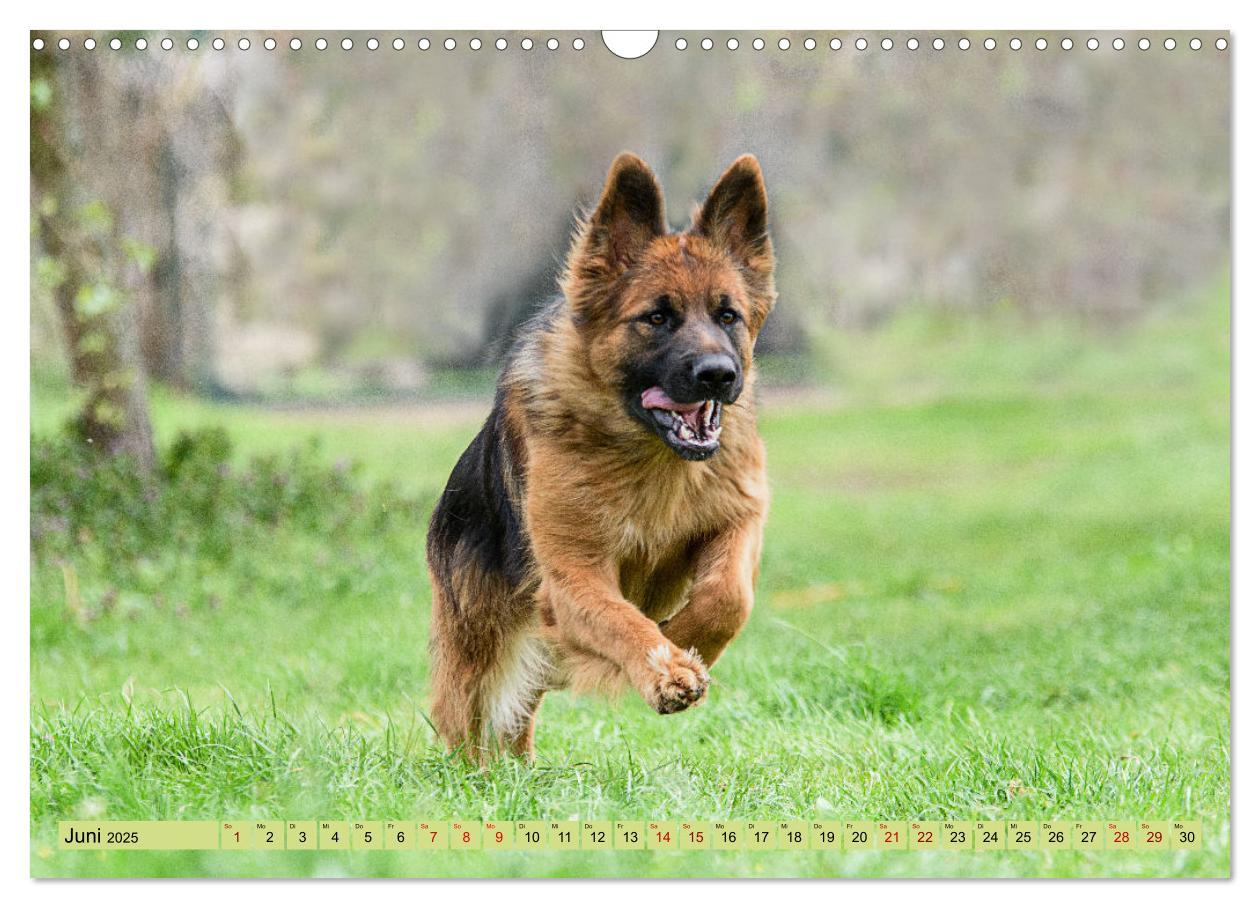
<point x="94" y="269"/>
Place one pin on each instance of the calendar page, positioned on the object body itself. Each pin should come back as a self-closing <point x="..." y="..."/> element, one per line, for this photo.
<point x="708" y="453"/>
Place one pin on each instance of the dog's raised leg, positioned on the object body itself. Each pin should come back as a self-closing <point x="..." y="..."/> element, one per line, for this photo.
<point x="591" y="614"/>
<point x="721" y="597"/>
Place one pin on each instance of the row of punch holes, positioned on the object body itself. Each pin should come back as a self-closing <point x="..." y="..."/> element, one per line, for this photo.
<point x="347" y="44"/>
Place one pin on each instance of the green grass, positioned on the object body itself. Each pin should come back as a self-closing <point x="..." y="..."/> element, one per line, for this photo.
<point x="995" y="585"/>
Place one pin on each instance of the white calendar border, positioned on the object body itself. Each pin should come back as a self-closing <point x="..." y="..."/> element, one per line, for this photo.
<point x="782" y="14"/>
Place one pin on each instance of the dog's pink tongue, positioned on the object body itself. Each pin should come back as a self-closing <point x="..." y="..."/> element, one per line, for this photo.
<point x="655" y="398"/>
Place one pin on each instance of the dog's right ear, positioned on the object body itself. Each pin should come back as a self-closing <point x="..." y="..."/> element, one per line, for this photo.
<point x="630" y="214"/>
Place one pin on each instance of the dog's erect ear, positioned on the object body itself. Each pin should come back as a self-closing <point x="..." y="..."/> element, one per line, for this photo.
<point x="735" y="218"/>
<point x="735" y="215"/>
<point x="630" y="214"/>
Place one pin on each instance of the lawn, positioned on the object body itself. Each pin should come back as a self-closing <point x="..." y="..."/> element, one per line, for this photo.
<point x="995" y="585"/>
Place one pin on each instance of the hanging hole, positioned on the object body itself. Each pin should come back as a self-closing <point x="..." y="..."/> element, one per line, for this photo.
<point x="629" y="45"/>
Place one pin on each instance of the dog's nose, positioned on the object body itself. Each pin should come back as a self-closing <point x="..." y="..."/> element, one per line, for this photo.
<point x="714" y="374"/>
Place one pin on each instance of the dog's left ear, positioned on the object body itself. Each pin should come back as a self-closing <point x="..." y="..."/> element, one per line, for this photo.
<point x="735" y="215"/>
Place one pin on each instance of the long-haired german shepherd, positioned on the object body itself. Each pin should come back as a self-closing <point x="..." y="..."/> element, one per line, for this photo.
<point x="604" y="527"/>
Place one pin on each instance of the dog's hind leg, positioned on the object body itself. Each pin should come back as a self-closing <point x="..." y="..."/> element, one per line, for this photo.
<point x="513" y="692"/>
<point x="521" y="742"/>
<point x="457" y="704"/>
<point x="455" y="679"/>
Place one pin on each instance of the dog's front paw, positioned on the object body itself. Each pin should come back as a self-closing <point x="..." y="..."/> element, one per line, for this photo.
<point x="676" y="679"/>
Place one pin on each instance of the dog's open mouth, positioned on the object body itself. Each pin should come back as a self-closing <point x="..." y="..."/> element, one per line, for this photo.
<point x="692" y="430"/>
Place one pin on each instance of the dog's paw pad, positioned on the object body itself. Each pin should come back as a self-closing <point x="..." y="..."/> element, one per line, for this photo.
<point x="679" y="679"/>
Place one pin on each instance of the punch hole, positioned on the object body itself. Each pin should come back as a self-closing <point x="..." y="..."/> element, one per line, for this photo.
<point x="346" y="44"/>
<point x="784" y="44"/>
<point x="321" y="43"/>
<point x="1041" y="44"/>
<point x="373" y="44"/>
<point x="423" y="44"/>
<point x="1066" y="44"/>
<point x="938" y="43"/>
<point x="1118" y="44"/>
<point x="218" y="44"/>
<point x="1092" y="44"/>
<point x="475" y="44"/>
<point x="1144" y="44"/>
<point x="1221" y="44"/>
<point x="38" y="44"/>
<point x="270" y="44"/>
<point x="398" y="44"/>
<point x="141" y="44"/>
<point x="527" y="43"/>
<point x="1170" y="44"/>
<point x="990" y="44"/>
<point x="578" y="44"/>
<point x="836" y="44"/>
<point x="192" y="44"/>
<point x="116" y="44"/>
<point x="64" y="44"/>
<point x="167" y="44"/>
<point x="449" y="44"/>
<point x="964" y="43"/>
<point x="681" y="44"/>
<point x="501" y="44"/>
<point x="886" y="44"/>
<point x="89" y="43"/>
<point x="732" y="44"/>
<point x="1196" y="44"/>
<point x="912" y="43"/>
<point x="810" y="43"/>
<point x="706" y="44"/>
<point x="630" y="45"/>
<point x="552" y="44"/>
<point x="1016" y="44"/>
<point x="758" y="44"/>
<point x="296" y="44"/>
<point x="860" y="44"/>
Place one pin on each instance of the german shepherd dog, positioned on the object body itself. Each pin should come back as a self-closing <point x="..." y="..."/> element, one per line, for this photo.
<point x="604" y="527"/>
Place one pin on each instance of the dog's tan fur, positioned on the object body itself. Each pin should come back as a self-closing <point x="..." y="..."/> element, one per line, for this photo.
<point x="640" y="565"/>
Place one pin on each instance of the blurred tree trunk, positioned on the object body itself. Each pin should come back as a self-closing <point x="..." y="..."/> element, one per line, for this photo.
<point x="96" y="275"/>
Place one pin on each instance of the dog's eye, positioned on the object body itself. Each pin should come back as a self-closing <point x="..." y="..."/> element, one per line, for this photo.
<point x="657" y="318"/>
<point x="728" y="316"/>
